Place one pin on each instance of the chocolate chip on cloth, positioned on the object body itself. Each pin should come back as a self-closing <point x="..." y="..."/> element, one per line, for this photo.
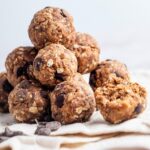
<point x="26" y="102"/>
<point x="108" y="71"/>
<point x="45" y="128"/>
<point x="8" y="134"/>
<point x="72" y="101"/>
<point x="54" y="64"/>
<point x="5" y="89"/>
<point x="19" y="64"/>
<point x="86" y="50"/>
<point x="120" y="102"/>
<point x="50" y="25"/>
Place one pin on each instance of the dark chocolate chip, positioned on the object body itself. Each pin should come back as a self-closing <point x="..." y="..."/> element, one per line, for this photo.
<point x="43" y="131"/>
<point x="54" y="125"/>
<point x="38" y="63"/>
<point x="60" y="100"/>
<point x="47" y="7"/>
<point x="117" y="74"/>
<point x="44" y="94"/>
<point x="7" y="87"/>
<point x="25" y="84"/>
<point x="138" y="108"/>
<point x="8" y="132"/>
<point x="23" y="70"/>
<point x="92" y="78"/>
<point x="62" y="12"/>
<point x="108" y="59"/>
<point x="59" y="76"/>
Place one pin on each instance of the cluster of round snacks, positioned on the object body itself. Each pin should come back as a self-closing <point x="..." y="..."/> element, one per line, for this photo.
<point x="117" y="98"/>
<point x="45" y="82"/>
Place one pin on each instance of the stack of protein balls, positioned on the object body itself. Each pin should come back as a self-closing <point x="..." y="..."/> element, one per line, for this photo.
<point x="45" y="82"/>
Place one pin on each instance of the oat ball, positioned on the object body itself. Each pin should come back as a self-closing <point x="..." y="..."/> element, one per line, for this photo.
<point x="19" y="64"/>
<point x="72" y="101"/>
<point x="54" y="64"/>
<point x="5" y="89"/>
<point x="120" y="102"/>
<point x="108" y="71"/>
<point x="28" y="102"/>
<point x="86" y="50"/>
<point x="50" y="25"/>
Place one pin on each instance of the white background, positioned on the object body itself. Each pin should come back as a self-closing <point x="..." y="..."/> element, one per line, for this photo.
<point x="122" y="27"/>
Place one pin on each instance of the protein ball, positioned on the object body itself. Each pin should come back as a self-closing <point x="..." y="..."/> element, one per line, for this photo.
<point x="19" y="64"/>
<point x="72" y="101"/>
<point x="120" y="102"/>
<point x="28" y="102"/>
<point x="54" y="64"/>
<point x="5" y="89"/>
<point x="108" y="71"/>
<point x="50" y="25"/>
<point x="86" y="50"/>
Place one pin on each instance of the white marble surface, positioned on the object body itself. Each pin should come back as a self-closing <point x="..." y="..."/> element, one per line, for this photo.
<point x="122" y="27"/>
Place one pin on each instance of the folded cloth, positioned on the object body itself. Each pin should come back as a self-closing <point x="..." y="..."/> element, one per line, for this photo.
<point x="96" y="133"/>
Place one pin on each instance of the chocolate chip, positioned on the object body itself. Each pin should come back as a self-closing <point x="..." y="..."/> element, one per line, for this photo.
<point x="54" y="125"/>
<point x="118" y="74"/>
<point x="138" y="108"/>
<point x="47" y="7"/>
<point x="92" y="78"/>
<point x="59" y="76"/>
<point x="38" y="63"/>
<point x="108" y="59"/>
<point x="60" y="100"/>
<point x="43" y="131"/>
<point x="7" y="87"/>
<point x="23" y="70"/>
<point x="44" y="94"/>
<point x="8" y="134"/>
<point x="63" y="13"/>
<point x="25" y="84"/>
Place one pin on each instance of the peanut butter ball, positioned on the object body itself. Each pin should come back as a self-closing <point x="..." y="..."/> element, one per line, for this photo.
<point x="19" y="64"/>
<point x="50" y="25"/>
<point x="54" y="64"/>
<point x="108" y="71"/>
<point x="72" y="101"/>
<point x="118" y="103"/>
<point x="86" y="50"/>
<point x="28" y="101"/>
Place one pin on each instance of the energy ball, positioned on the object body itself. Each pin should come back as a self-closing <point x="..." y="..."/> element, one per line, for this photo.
<point x="50" y="25"/>
<point x="86" y="50"/>
<point x="5" y="89"/>
<point x="72" y="101"/>
<point x="54" y="64"/>
<point x="19" y="64"/>
<point x="108" y="71"/>
<point x="28" y="102"/>
<point x="120" y="102"/>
